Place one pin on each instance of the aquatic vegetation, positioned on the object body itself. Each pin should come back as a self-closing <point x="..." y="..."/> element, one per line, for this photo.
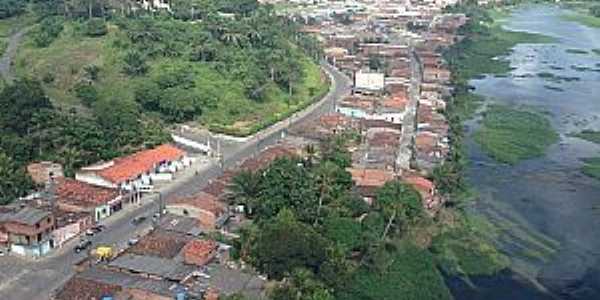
<point x="596" y="51"/>
<point x="588" y="135"/>
<point x="554" y="88"/>
<point x="509" y="135"/>
<point x="591" y="167"/>
<point x="576" y="51"/>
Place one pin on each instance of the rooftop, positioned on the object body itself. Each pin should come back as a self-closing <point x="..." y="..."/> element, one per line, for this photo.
<point x="370" y="177"/>
<point x="129" y="167"/>
<point x="79" y="193"/>
<point x="159" y="244"/>
<point x="201" y="200"/>
<point x="79" y="288"/>
<point x="29" y="216"/>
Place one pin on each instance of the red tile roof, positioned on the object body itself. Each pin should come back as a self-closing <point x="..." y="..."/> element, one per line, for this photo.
<point x="370" y="177"/>
<point x="78" y="193"/>
<point x="422" y="184"/>
<point x="130" y="167"/>
<point x="199" y="251"/>
<point x="266" y="157"/>
<point x="78" y="288"/>
<point x="159" y="244"/>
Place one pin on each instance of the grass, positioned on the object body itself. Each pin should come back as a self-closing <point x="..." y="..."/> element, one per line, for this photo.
<point x="591" y="167"/>
<point x="233" y="113"/>
<point x="509" y="135"/>
<point x="589" y="135"/>
<point x="582" y="18"/>
<point x="467" y="250"/>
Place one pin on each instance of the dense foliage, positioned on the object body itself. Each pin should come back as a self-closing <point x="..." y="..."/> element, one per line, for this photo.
<point x="10" y="8"/>
<point x="315" y="234"/>
<point x="33" y="129"/>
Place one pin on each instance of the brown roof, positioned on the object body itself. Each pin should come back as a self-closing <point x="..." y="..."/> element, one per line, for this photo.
<point x="159" y="244"/>
<point x="384" y="139"/>
<point x="266" y="157"/>
<point x="78" y="288"/>
<point x="198" y="248"/>
<point x="370" y="177"/>
<point x="203" y="201"/>
<point x="129" y="167"/>
<point x="78" y="193"/>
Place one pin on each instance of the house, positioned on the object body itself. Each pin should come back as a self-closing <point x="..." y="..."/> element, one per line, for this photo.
<point x="367" y="181"/>
<point x="77" y="196"/>
<point x="155" y="4"/>
<point x="42" y="172"/>
<point x="426" y="189"/>
<point x="136" y="172"/>
<point x="368" y="82"/>
<point x="206" y="208"/>
<point x="69" y="225"/>
<point x="29" y="231"/>
<point x="200" y="252"/>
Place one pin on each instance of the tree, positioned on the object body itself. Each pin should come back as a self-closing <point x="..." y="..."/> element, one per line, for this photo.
<point x="95" y="27"/>
<point x="302" y="285"/>
<point x="399" y="200"/>
<point x="284" y="244"/>
<point x="334" y="149"/>
<point x="332" y="182"/>
<point x="15" y="182"/>
<point x="19" y="103"/>
<point x="135" y="63"/>
<point x="245" y="190"/>
<point x="595" y="11"/>
<point x="10" y="8"/>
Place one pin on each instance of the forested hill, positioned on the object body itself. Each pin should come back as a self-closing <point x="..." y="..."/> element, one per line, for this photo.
<point x="97" y="79"/>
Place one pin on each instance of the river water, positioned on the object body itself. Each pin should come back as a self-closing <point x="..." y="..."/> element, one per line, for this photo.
<point x="548" y="212"/>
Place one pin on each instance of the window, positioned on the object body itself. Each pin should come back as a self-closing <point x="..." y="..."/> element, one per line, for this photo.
<point x="185" y="212"/>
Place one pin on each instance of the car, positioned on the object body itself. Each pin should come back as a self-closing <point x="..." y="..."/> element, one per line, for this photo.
<point x="83" y="244"/>
<point x="98" y="228"/>
<point x="2" y="253"/>
<point x="90" y="232"/>
<point x="138" y="220"/>
<point x="133" y="241"/>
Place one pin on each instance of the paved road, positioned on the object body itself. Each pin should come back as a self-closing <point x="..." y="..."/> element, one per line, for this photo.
<point x="22" y="279"/>
<point x="9" y="54"/>
<point x="409" y="124"/>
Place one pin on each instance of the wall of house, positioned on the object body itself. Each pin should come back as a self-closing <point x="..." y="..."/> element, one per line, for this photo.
<point x="101" y="212"/>
<point x="63" y="234"/>
<point x="94" y="179"/>
<point x="36" y="250"/>
<point x="351" y="111"/>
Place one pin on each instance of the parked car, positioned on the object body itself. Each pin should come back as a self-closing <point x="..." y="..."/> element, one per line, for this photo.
<point x="98" y="228"/>
<point x="83" y="244"/>
<point x="133" y="241"/>
<point x="138" y="220"/>
<point x="90" y="232"/>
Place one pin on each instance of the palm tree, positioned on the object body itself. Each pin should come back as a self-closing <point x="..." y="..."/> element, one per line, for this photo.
<point x="245" y="188"/>
<point x="397" y="199"/>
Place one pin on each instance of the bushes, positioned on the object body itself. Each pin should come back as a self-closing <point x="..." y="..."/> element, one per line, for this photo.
<point x="87" y="93"/>
<point x="135" y="63"/>
<point x="595" y="11"/>
<point x="47" y="31"/>
<point x="95" y="27"/>
<point x="10" y="8"/>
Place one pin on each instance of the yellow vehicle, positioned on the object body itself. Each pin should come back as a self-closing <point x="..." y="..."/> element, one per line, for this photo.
<point x="103" y="253"/>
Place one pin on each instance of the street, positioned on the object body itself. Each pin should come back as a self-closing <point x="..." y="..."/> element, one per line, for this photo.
<point x="28" y="279"/>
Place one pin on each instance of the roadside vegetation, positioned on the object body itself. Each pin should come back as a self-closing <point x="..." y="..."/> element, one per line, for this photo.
<point x="97" y="79"/>
<point x="510" y="135"/>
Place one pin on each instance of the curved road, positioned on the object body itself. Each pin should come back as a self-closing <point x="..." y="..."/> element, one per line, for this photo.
<point x="9" y="54"/>
<point x="23" y="279"/>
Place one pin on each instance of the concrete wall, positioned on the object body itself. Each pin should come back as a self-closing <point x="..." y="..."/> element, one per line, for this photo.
<point x="93" y="179"/>
<point x="206" y="218"/>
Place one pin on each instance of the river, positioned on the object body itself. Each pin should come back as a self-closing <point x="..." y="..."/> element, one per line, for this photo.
<point x="547" y="210"/>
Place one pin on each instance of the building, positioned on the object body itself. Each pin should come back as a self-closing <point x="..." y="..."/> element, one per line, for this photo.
<point x="136" y="172"/>
<point x="69" y="225"/>
<point x="29" y="232"/>
<point x="200" y="252"/>
<point x="77" y="196"/>
<point x="41" y="172"/>
<point x="367" y="181"/>
<point x="368" y="82"/>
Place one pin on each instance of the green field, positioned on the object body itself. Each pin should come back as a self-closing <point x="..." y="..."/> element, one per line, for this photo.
<point x="509" y="135"/>
<point x="64" y="61"/>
